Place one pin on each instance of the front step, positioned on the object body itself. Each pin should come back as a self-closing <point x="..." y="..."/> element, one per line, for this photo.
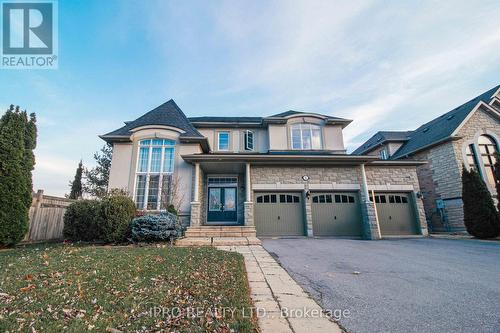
<point x="217" y="241"/>
<point x="220" y="231"/>
<point x="219" y="235"/>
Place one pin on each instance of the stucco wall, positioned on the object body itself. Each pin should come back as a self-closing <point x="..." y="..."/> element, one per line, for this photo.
<point x="124" y="164"/>
<point x="237" y="138"/>
<point x="121" y="163"/>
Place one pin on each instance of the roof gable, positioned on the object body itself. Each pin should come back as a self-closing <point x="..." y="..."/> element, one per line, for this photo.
<point x="167" y="114"/>
<point x="442" y="127"/>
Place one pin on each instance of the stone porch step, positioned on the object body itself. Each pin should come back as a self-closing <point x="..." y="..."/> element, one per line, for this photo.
<point x="220" y="231"/>
<point x="217" y="241"/>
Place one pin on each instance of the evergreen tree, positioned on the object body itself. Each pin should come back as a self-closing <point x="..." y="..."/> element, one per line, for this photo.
<point x="14" y="165"/>
<point x="480" y="216"/>
<point x="97" y="178"/>
<point x="76" y="184"/>
<point x="497" y="179"/>
<point x="30" y="134"/>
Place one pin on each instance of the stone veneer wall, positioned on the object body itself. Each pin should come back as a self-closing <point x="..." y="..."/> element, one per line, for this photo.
<point x="441" y="178"/>
<point x="398" y="178"/>
<point x="392" y="178"/>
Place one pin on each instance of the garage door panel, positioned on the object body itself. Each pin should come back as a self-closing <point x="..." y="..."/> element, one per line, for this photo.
<point x="336" y="214"/>
<point x="395" y="214"/>
<point x="279" y="214"/>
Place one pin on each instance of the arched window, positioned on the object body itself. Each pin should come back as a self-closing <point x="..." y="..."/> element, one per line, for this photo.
<point x="306" y="137"/>
<point x="155" y="165"/>
<point x="487" y="149"/>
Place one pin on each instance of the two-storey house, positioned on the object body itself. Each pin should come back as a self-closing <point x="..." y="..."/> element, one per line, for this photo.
<point x="283" y="175"/>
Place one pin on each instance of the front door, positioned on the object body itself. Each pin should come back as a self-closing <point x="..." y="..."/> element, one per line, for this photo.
<point x="221" y="204"/>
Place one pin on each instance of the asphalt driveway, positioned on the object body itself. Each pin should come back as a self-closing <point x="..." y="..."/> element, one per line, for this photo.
<point x="403" y="285"/>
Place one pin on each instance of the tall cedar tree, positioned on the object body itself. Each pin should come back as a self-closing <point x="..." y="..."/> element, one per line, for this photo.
<point x="17" y="141"/>
<point x="497" y="179"/>
<point x="480" y="216"/>
<point x="76" y="184"/>
<point x="97" y="178"/>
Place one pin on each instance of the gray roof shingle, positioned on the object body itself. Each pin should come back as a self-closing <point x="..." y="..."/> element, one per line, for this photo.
<point x="217" y="119"/>
<point x="441" y="127"/>
<point x="167" y="114"/>
<point x="292" y="112"/>
<point x="429" y="133"/>
<point x="382" y="137"/>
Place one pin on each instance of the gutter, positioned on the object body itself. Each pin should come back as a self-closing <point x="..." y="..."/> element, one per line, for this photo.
<point x="281" y="159"/>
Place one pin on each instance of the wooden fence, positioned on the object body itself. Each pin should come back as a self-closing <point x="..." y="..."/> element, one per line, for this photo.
<point x="46" y="217"/>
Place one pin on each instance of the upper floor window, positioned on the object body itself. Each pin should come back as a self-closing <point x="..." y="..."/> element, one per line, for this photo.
<point x="384" y="155"/>
<point x="306" y="136"/>
<point x="155" y="165"/>
<point x="223" y="141"/>
<point x="487" y="148"/>
<point x="249" y="140"/>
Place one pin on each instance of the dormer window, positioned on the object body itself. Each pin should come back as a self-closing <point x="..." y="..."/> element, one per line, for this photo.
<point x="306" y="137"/>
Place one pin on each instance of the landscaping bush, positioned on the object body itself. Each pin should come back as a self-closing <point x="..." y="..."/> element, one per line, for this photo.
<point x="480" y="216"/>
<point x="161" y="227"/>
<point x="81" y="221"/>
<point x="497" y="178"/>
<point x="117" y="210"/>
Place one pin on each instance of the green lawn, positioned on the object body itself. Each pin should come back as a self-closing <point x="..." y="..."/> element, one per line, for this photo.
<point x="133" y="289"/>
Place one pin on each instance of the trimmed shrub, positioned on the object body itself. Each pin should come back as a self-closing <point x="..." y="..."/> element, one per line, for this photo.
<point x="117" y="211"/>
<point x="81" y="221"/>
<point x="497" y="178"/>
<point x="161" y="227"/>
<point x="480" y="216"/>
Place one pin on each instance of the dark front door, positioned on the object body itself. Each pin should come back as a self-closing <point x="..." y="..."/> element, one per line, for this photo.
<point x="222" y="204"/>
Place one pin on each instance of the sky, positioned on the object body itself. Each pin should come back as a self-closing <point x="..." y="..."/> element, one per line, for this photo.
<point x="388" y="65"/>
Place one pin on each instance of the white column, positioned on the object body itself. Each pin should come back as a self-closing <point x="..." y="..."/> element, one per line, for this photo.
<point x="196" y="182"/>
<point x="248" y="184"/>
<point x="364" y="183"/>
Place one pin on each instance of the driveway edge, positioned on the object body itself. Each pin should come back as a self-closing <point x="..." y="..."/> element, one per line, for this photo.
<point x="281" y="304"/>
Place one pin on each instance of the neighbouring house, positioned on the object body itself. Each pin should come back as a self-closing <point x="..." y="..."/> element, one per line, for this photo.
<point x="467" y="135"/>
<point x="283" y="175"/>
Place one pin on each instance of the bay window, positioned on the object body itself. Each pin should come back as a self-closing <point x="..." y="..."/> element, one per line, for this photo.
<point x="306" y="137"/>
<point x="155" y="165"/>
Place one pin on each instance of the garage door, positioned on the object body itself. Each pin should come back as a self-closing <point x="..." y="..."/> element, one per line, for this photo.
<point x="395" y="214"/>
<point x="336" y="214"/>
<point x="279" y="214"/>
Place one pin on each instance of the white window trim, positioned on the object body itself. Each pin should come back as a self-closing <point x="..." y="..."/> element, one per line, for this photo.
<point x="245" y="136"/>
<point x="228" y="140"/>
<point x="301" y="141"/>
<point x="147" y="173"/>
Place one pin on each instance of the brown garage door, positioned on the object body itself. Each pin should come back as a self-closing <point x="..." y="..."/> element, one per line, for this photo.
<point x="336" y="214"/>
<point x="279" y="214"/>
<point x="395" y="214"/>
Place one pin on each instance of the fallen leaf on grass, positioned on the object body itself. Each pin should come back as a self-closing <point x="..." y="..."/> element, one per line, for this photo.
<point x="29" y="287"/>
